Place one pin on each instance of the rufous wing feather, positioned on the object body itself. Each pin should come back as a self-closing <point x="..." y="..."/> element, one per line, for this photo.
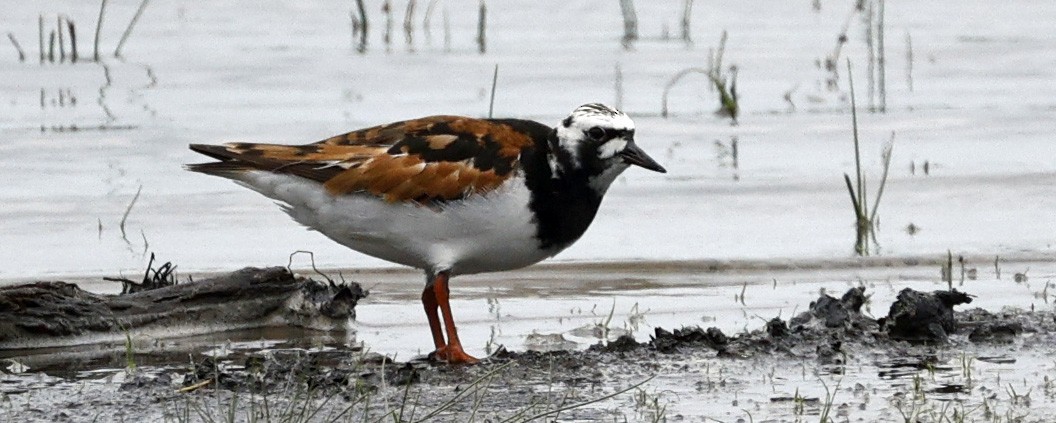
<point x="437" y="158"/>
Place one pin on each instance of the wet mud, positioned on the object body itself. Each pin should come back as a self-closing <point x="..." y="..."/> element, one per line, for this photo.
<point x="333" y="381"/>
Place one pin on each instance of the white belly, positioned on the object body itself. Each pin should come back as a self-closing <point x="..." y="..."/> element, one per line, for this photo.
<point x="483" y="233"/>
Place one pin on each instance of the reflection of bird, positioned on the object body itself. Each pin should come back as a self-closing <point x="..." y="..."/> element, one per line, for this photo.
<point x="450" y="195"/>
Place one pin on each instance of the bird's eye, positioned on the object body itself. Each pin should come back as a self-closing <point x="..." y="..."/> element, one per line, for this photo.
<point x="596" y="133"/>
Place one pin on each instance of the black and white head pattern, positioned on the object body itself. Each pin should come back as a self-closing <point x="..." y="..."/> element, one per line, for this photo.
<point x="590" y="140"/>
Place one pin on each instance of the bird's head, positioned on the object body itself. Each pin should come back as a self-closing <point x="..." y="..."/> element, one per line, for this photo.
<point x="597" y="141"/>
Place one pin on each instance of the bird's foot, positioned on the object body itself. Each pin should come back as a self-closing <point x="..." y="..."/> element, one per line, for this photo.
<point x="454" y="354"/>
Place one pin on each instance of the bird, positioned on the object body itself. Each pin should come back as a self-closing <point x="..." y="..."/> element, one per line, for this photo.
<point x="450" y="195"/>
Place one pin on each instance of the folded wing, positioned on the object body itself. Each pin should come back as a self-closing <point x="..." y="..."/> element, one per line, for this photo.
<point x="425" y="160"/>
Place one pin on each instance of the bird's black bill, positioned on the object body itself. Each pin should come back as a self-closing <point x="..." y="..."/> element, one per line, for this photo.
<point x="635" y="156"/>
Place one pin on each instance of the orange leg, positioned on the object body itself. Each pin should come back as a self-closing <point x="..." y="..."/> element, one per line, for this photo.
<point x="429" y="301"/>
<point x="452" y="352"/>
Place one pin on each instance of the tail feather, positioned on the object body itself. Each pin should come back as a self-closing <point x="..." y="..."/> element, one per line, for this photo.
<point x="229" y="169"/>
<point x="218" y="152"/>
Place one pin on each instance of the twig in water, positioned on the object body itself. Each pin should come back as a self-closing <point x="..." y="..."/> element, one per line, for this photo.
<point x="881" y="59"/>
<point x="127" y="211"/>
<point x="311" y="256"/>
<point x="494" y="83"/>
<point x="362" y="48"/>
<point x="619" y="86"/>
<point x="14" y="42"/>
<point x="40" y="36"/>
<point x="687" y="12"/>
<point x="426" y="27"/>
<point x="734" y="153"/>
<point x="960" y="260"/>
<point x="909" y="61"/>
<point x="51" y="47"/>
<point x="128" y="30"/>
<point x="194" y="387"/>
<point x="353" y="22"/>
<point x="62" y="45"/>
<point x="482" y="26"/>
<point x="832" y="62"/>
<point x="408" y="25"/>
<point x="788" y="98"/>
<point x="98" y="28"/>
<point x="73" y="40"/>
<point x="947" y="270"/>
<point x="630" y="23"/>
<point x="386" y="8"/>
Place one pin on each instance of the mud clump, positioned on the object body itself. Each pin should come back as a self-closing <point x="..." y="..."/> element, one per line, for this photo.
<point x="670" y="342"/>
<point x="923" y="316"/>
<point x="829" y="312"/>
<point x="624" y="343"/>
<point x="776" y="328"/>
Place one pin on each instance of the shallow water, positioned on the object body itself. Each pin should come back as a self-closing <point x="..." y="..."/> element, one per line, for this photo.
<point x="981" y="114"/>
<point x="286" y="73"/>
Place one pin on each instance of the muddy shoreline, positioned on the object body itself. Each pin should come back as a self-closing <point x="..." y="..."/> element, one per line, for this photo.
<point x="830" y="341"/>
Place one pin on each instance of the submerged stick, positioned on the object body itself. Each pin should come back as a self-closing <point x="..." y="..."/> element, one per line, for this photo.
<point x="128" y="30"/>
<point x="363" y="25"/>
<point x="687" y="11"/>
<point x="494" y="83"/>
<point x="14" y="42"/>
<point x="426" y="26"/>
<point x="51" y="46"/>
<point x="386" y="8"/>
<point x="40" y="36"/>
<point x="73" y="40"/>
<point x="127" y="211"/>
<point x="619" y="86"/>
<point x="98" y="29"/>
<point x="630" y="23"/>
<point x="482" y="24"/>
<point x="881" y="59"/>
<point x="62" y="44"/>
<point x="408" y="25"/>
<point x="909" y="61"/>
<point x="354" y="27"/>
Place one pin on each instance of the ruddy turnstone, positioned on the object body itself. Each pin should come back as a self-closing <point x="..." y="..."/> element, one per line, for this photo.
<point x="450" y="195"/>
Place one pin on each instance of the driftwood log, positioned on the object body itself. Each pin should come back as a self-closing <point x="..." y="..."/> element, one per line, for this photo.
<point x="53" y="314"/>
